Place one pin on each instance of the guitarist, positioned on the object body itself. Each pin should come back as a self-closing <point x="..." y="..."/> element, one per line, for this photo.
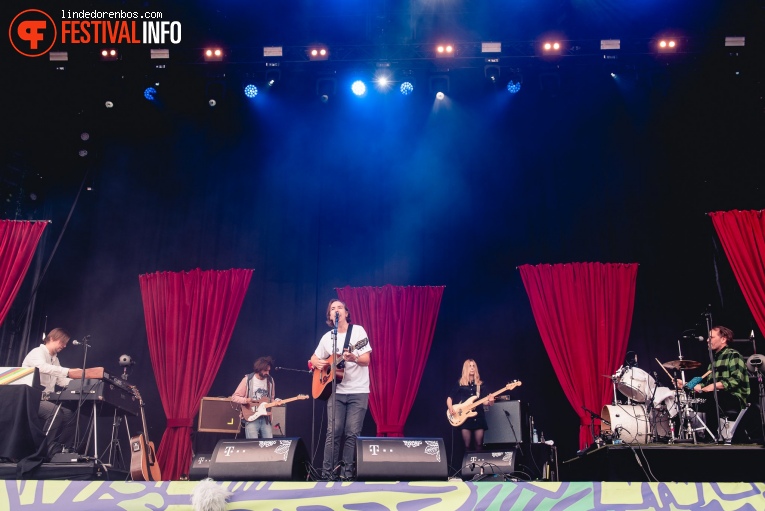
<point x="255" y="388"/>
<point x="352" y="394"/>
<point x="470" y="384"/>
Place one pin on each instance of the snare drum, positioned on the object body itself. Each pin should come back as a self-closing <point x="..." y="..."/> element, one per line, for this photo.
<point x="636" y="384"/>
<point x="671" y="403"/>
<point x="629" y="421"/>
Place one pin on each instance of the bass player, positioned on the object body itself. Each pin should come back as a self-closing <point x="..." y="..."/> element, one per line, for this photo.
<point x="468" y="385"/>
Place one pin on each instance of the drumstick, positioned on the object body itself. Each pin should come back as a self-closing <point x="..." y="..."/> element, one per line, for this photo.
<point x="665" y="369"/>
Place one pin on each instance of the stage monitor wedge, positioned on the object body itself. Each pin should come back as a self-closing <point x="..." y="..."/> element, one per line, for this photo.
<point x="267" y="459"/>
<point x="396" y="459"/>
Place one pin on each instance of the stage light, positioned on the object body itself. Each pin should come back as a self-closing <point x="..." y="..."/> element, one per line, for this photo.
<point x="272" y="51"/>
<point x="109" y="54"/>
<point x="440" y="95"/>
<point x="250" y="90"/>
<point x="406" y="88"/>
<point x="58" y="56"/>
<point x="326" y="87"/>
<point x="444" y="50"/>
<point x="515" y="81"/>
<point x="318" y="53"/>
<point x="213" y="55"/>
<point x="109" y="104"/>
<point x="150" y="93"/>
<point x="383" y="80"/>
<point x="83" y="153"/>
<point x="84" y="136"/>
<point x="491" y="47"/>
<point x="491" y="72"/>
<point x="359" y="88"/>
<point x="159" y="53"/>
<point x="513" y="87"/>
<point x="610" y="44"/>
<point x="439" y="84"/>
<point x="735" y="41"/>
<point x="551" y="47"/>
<point x="667" y="45"/>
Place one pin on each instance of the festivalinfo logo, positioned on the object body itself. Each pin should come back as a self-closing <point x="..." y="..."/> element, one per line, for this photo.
<point x="33" y="32"/>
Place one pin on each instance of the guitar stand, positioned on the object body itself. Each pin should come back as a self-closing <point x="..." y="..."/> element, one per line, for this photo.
<point x="115" y="448"/>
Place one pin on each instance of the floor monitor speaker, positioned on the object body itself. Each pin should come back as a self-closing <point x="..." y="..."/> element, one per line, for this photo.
<point x="397" y="458"/>
<point x="268" y="459"/>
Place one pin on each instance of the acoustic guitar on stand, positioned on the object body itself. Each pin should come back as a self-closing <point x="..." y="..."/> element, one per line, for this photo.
<point x="143" y="459"/>
<point x="322" y="378"/>
<point x="264" y="406"/>
<point x="463" y="411"/>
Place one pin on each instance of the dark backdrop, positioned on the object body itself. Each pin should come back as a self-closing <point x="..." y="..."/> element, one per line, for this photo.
<point x="387" y="189"/>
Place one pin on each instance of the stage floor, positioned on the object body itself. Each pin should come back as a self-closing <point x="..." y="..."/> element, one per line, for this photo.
<point x="661" y="462"/>
<point x="380" y="496"/>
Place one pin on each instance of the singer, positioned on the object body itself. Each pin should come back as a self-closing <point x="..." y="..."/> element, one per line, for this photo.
<point x="732" y="379"/>
<point x="351" y="398"/>
<point x="255" y="388"/>
<point x="45" y="358"/>
<point x="470" y="384"/>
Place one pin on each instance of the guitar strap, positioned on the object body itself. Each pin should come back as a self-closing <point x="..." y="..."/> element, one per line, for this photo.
<point x="341" y="364"/>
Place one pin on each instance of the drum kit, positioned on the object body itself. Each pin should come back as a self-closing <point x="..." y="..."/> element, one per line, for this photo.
<point x="652" y="413"/>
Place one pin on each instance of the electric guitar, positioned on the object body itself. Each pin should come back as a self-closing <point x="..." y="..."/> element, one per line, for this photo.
<point x="463" y="411"/>
<point x="263" y="407"/>
<point x="320" y="387"/>
<point x="143" y="459"/>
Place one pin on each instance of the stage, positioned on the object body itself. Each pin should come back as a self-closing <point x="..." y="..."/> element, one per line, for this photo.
<point x="441" y="495"/>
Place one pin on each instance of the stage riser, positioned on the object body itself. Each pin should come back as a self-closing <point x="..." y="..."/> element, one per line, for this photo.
<point x="681" y="463"/>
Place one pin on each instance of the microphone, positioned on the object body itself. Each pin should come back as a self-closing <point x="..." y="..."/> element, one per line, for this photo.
<point x="81" y="343"/>
<point x="699" y="338"/>
<point x="751" y="336"/>
<point x="506" y="413"/>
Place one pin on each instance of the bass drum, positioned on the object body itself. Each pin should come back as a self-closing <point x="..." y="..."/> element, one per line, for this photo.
<point x="636" y="384"/>
<point x="630" y="422"/>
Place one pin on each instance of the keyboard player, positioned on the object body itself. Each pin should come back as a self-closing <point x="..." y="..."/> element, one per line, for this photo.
<point x="45" y="358"/>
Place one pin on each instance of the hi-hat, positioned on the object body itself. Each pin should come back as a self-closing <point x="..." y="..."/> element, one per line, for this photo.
<point x="682" y="364"/>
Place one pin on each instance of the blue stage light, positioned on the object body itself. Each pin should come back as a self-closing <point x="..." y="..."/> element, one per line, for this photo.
<point x="250" y="91"/>
<point x="149" y="93"/>
<point x="359" y="88"/>
<point x="513" y="87"/>
<point x="406" y="88"/>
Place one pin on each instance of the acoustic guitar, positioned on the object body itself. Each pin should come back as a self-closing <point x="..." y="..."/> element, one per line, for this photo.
<point x="321" y="388"/>
<point x="143" y="459"/>
<point x="463" y="411"/>
<point x="264" y="406"/>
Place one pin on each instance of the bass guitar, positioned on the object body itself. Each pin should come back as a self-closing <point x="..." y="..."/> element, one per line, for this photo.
<point x="463" y="411"/>
<point x="263" y="407"/>
<point x="143" y="459"/>
<point x="322" y="378"/>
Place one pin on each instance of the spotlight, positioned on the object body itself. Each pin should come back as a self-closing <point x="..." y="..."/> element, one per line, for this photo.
<point x="491" y="72"/>
<point x="440" y="95"/>
<point x="439" y="83"/>
<point x="250" y="90"/>
<point x="109" y="54"/>
<point x="513" y="87"/>
<point x="406" y="88"/>
<point x="325" y="87"/>
<point x="109" y="104"/>
<point x="667" y="45"/>
<point x="149" y="93"/>
<point x="84" y="136"/>
<point x="212" y="103"/>
<point x="213" y="55"/>
<point x="444" y="50"/>
<point x="383" y="80"/>
<point x="551" y="47"/>
<point x="318" y="53"/>
<point x="735" y="41"/>
<point x="491" y="47"/>
<point x="515" y="81"/>
<point x="359" y="88"/>
<point x="83" y="153"/>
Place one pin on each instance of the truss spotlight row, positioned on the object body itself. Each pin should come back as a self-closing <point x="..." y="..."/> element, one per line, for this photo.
<point x="109" y="54"/>
<point x="551" y="46"/>
<point x="667" y="45"/>
<point x="318" y="53"/>
<point x="213" y="55"/>
<point x="444" y="50"/>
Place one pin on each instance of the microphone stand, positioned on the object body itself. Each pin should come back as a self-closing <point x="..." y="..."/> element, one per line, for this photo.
<point x="512" y="428"/>
<point x="333" y="373"/>
<point x="708" y="317"/>
<point x="292" y="369"/>
<point x="82" y="393"/>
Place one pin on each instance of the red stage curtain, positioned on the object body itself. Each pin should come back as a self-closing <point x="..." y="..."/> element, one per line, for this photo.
<point x="584" y="314"/>
<point x="18" y="241"/>
<point x="400" y="322"/>
<point x="742" y="234"/>
<point x="189" y="321"/>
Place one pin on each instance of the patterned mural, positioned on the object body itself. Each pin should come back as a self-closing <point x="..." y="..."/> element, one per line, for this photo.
<point x="394" y="496"/>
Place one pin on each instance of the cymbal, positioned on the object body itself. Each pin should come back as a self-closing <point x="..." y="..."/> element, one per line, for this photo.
<point x="682" y="364"/>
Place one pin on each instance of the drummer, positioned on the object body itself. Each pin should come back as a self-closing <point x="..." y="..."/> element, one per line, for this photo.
<point x="730" y="372"/>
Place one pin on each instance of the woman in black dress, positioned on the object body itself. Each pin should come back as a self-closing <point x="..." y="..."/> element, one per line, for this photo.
<point x="470" y="384"/>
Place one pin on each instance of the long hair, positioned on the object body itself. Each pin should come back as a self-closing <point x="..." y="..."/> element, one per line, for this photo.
<point x="331" y="320"/>
<point x="263" y="363"/>
<point x="464" y="380"/>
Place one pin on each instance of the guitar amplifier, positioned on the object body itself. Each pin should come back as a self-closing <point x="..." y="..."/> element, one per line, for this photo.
<point x="218" y="415"/>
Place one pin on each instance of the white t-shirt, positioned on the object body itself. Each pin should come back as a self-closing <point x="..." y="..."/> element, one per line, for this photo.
<point x="356" y="377"/>
<point x="258" y="387"/>
<point x="51" y="372"/>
